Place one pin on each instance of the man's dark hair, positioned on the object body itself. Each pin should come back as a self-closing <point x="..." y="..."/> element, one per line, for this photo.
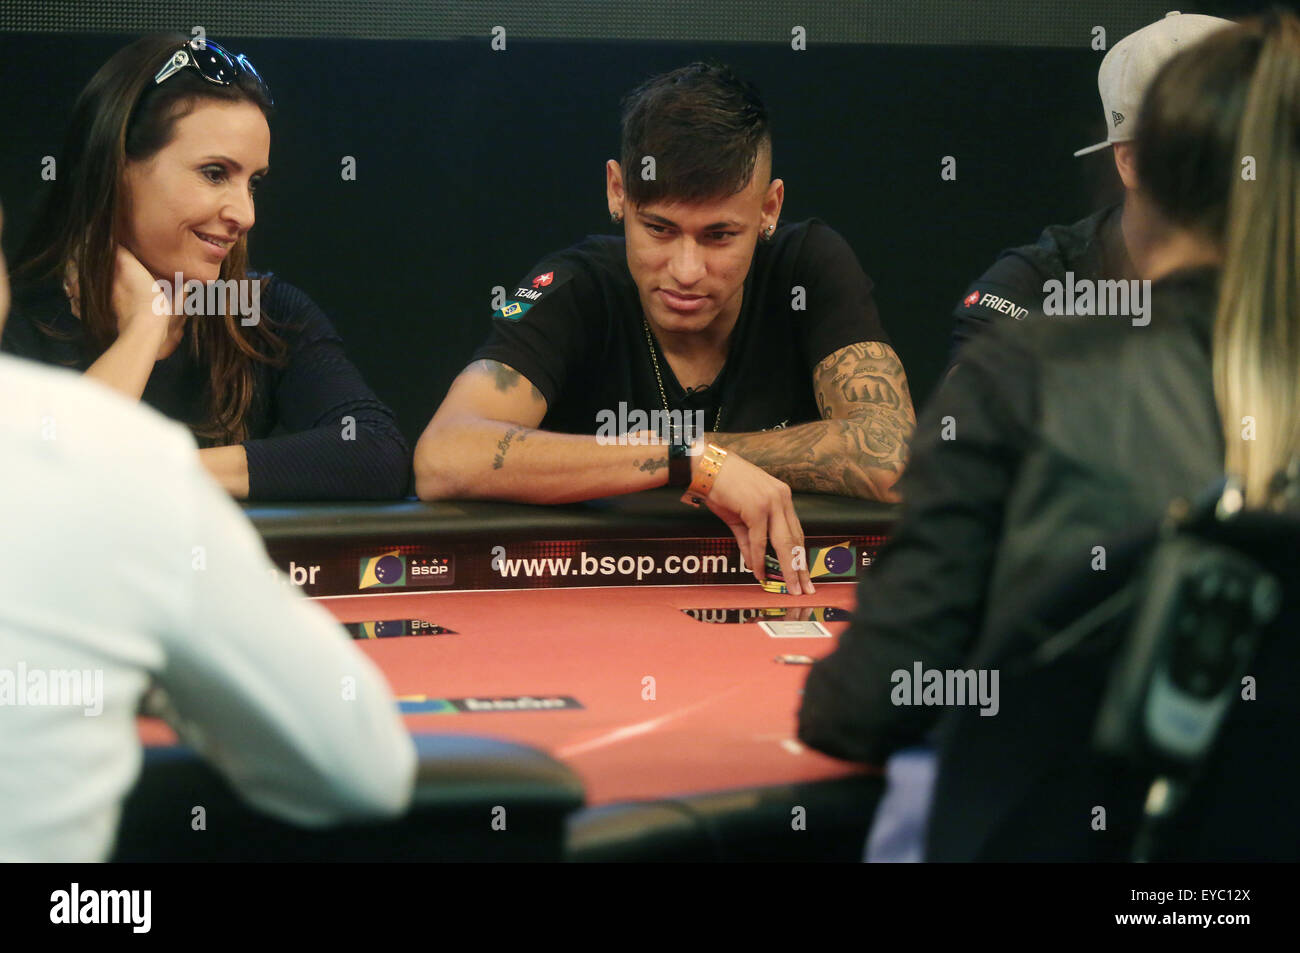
<point x="705" y="128"/>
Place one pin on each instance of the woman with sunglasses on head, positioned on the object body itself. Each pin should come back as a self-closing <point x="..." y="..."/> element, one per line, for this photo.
<point x="148" y="217"/>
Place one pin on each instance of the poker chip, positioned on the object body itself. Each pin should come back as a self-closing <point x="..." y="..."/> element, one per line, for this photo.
<point x="773" y="586"/>
<point x="795" y="659"/>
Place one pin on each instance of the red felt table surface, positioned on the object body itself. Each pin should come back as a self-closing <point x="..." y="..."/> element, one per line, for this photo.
<point x="724" y="711"/>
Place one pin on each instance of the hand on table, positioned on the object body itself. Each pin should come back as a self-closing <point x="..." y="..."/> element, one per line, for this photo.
<point x="758" y="507"/>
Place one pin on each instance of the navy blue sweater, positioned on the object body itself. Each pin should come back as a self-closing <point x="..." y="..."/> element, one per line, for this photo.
<point x="296" y="442"/>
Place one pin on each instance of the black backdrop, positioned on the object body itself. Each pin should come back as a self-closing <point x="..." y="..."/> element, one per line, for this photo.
<point x="473" y="164"/>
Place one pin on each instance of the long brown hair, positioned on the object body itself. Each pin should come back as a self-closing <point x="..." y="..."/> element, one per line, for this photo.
<point x="121" y="116"/>
<point x="1218" y="148"/>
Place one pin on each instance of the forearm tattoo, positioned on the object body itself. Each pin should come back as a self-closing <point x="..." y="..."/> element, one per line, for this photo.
<point x="862" y="442"/>
<point x="503" y="445"/>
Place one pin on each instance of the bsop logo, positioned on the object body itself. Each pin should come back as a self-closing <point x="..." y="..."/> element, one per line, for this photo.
<point x="432" y="570"/>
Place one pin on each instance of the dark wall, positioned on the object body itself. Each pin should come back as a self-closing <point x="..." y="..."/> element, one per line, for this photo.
<point x="472" y="164"/>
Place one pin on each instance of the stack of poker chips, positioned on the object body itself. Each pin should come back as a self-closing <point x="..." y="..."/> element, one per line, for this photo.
<point x="775" y="579"/>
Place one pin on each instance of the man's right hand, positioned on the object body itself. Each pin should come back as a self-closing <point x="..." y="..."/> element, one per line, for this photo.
<point x="758" y="507"/>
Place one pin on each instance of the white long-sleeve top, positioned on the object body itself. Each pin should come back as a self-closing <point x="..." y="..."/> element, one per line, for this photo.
<point x="120" y="558"/>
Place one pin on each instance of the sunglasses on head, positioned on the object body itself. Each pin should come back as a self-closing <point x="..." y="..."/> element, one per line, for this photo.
<point x="213" y="63"/>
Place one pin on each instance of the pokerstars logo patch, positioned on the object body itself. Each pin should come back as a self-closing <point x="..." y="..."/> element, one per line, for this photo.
<point x="385" y="571"/>
<point x="541" y="281"/>
<point x="996" y="303"/>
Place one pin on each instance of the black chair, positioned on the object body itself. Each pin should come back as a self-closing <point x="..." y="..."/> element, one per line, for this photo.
<point x="460" y="782"/>
<point x="733" y="826"/>
<point x="1026" y="785"/>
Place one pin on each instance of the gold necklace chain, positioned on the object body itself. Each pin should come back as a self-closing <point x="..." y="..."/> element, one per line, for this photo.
<point x="649" y="340"/>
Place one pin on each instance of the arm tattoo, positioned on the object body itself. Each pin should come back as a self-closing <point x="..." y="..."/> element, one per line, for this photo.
<point x="503" y="445"/>
<point x="653" y="465"/>
<point x="504" y="376"/>
<point x="865" y="376"/>
<point x="861" y="443"/>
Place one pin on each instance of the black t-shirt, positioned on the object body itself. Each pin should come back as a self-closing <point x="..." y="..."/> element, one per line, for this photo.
<point x="1012" y="288"/>
<point x="574" y="327"/>
<point x="298" y="409"/>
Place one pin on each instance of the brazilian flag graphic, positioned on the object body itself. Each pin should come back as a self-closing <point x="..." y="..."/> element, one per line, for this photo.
<point x="382" y="572"/>
<point x="833" y="562"/>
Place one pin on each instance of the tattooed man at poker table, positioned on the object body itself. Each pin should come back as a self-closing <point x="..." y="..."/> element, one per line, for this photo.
<point x="710" y="346"/>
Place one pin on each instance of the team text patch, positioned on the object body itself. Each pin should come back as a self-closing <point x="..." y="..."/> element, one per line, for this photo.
<point x="534" y="287"/>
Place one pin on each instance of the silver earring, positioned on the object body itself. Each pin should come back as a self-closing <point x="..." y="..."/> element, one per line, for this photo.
<point x="615" y="217"/>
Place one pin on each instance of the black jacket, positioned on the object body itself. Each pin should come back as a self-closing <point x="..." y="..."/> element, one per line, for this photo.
<point x="1012" y="288"/>
<point x="1049" y="437"/>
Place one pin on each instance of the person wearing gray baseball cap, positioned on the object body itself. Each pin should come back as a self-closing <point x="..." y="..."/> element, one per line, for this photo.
<point x="1112" y="243"/>
<point x="1040" y="477"/>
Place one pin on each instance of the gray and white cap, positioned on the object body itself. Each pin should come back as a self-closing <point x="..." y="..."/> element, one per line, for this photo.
<point x="1132" y="63"/>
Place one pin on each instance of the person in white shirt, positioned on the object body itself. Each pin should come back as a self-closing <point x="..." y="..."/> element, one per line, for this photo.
<point x="121" y="567"/>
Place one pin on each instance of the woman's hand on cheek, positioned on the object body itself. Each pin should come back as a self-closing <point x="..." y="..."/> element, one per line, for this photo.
<point x="135" y="301"/>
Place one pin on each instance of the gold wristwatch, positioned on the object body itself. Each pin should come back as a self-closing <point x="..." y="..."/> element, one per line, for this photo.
<point x="710" y="463"/>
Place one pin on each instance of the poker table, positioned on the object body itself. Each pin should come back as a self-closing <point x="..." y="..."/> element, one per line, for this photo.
<point x="598" y="672"/>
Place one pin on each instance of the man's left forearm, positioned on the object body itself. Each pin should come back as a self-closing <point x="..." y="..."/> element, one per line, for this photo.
<point x="856" y="456"/>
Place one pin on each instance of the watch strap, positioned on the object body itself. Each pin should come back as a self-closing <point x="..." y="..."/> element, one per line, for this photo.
<point x="710" y="463"/>
<point x="679" y="464"/>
